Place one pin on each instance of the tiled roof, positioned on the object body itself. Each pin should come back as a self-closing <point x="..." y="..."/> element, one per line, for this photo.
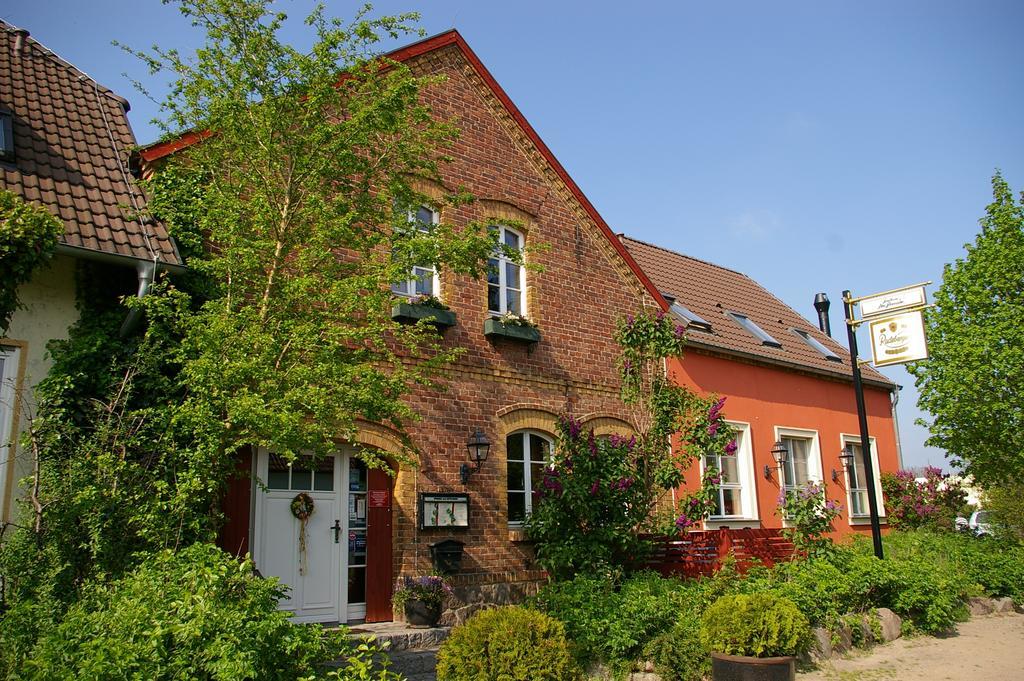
<point x="71" y="144"/>
<point x="711" y="291"/>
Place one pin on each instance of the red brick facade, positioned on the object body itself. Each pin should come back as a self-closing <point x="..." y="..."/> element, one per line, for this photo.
<point x="501" y="386"/>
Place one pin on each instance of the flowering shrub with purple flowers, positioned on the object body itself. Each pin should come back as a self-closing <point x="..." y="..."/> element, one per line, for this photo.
<point x="810" y="515"/>
<point x="600" y="493"/>
<point x="698" y="505"/>
<point x="430" y="589"/>
<point x="589" y="503"/>
<point x="934" y="502"/>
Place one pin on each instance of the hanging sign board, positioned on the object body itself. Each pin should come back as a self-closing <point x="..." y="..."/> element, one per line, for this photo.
<point x="892" y="301"/>
<point x="898" y="339"/>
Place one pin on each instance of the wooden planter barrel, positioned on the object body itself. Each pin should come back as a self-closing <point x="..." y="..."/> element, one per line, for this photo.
<point x="742" y="668"/>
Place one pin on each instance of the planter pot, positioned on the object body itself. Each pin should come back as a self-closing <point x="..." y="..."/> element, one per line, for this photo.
<point x="420" y="615"/>
<point x="494" y="328"/>
<point x="743" y="668"/>
<point x="411" y="313"/>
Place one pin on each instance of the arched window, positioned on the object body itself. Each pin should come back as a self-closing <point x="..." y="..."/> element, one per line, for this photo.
<point x="528" y="452"/>
<point x="423" y="280"/>
<point x="506" y="283"/>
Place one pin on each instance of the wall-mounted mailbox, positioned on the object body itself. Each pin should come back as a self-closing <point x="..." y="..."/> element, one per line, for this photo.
<point x="447" y="556"/>
<point x="438" y="509"/>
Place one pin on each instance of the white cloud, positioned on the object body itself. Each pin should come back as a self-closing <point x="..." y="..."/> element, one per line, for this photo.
<point x="756" y="224"/>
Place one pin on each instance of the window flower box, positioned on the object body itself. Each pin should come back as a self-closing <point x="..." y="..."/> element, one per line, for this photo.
<point x="410" y="313"/>
<point x="495" y="328"/>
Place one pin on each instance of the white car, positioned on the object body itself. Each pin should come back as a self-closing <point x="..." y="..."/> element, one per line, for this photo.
<point x="979" y="524"/>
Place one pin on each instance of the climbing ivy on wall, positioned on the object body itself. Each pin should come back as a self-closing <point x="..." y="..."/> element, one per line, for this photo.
<point x="28" y="238"/>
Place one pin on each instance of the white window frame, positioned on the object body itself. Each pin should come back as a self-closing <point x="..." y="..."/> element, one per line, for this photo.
<point x="745" y="468"/>
<point x="8" y="411"/>
<point x="814" y="467"/>
<point x="527" y="481"/>
<point x="410" y="284"/>
<point x="502" y="284"/>
<point x="865" y="518"/>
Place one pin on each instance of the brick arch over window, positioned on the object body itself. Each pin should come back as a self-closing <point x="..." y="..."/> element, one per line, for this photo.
<point x="607" y="424"/>
<point x="498" y="211"/>
<point x="527" y="417"/>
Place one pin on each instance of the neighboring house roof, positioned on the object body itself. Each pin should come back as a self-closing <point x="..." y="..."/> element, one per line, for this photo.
<point x="711" y="291"/>
<point x="159" y="150"/>
<point x="72" y="143"/>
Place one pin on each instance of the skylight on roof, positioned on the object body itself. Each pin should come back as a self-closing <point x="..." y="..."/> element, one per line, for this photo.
<point x="754" y="330"/>
<point x="6" y="135"/>
<point x="691" y="318"/>
<point x="818" y="345"/>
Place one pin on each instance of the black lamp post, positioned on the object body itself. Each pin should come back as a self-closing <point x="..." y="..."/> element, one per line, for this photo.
<point x="478" y="447"/>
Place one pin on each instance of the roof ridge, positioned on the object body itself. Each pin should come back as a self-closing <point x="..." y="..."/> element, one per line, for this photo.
<point x="53" y="56"/>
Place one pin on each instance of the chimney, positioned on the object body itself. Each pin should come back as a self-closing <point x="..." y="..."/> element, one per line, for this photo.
<point x="20" y="34"/>
<point x="821" y="304"/>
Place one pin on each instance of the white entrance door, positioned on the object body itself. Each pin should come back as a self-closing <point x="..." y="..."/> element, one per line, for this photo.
<point x="311" y="566"/>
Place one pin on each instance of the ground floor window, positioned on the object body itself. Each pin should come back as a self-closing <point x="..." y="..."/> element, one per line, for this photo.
<point x="735" y="498"/>
<point x="527" y="454"/>
<point x="856" y="479"/>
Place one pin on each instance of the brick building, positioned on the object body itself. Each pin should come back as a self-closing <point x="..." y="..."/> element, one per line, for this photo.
<point x="785" y="382"/>
<point x="509" y="390"/>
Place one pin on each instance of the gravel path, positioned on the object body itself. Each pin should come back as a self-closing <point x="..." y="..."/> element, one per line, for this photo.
<point x="989" y="648"/>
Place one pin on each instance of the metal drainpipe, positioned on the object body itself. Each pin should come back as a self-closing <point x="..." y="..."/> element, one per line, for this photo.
<point x="146" y="271"/>
<point x="895" y="399"/>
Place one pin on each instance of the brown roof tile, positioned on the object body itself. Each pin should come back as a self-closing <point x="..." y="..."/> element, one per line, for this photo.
<point x="72" y="143"/>
<point x="711" y="291"/>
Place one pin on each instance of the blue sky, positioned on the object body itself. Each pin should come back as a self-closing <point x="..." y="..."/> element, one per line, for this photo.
<point x="815" y="146"/>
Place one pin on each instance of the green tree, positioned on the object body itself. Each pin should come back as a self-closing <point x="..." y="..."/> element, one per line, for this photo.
<point x="294" y="212"/>
<point x="971" y="385"/>
<point x="306" y="182"/>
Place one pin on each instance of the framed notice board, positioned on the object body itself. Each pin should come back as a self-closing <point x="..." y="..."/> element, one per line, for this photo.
<point x="443" y="509"/>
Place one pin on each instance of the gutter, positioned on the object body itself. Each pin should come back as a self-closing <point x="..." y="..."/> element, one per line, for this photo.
<point x="145" y="269"/>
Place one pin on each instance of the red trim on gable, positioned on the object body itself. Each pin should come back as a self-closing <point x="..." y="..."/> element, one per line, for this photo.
<point x="158" y="150"/>
<point x="436" y="42"/>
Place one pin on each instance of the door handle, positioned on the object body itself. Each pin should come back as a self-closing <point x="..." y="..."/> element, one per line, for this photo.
<point x="337" y="529"/>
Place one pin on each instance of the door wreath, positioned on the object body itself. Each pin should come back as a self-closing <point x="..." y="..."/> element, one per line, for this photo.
<point x="302" y="507"/>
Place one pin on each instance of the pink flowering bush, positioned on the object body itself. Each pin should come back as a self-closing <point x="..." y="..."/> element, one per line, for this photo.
<point x="601" y="493"/>
<point x="934" y="502"/>
<point x="589" y="503"/>
<point x="810" y="515"/>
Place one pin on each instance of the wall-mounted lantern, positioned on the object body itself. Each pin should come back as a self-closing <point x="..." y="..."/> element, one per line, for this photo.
<point x="846" y="458"/>
<point x="478" y="447"/>
<point x="780" y="452"/>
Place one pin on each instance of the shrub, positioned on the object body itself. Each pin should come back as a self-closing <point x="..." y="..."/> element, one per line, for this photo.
<point x="934" y="503"/>
<point x="193" y="614"/>
<point x="612" y="623"/>
<point x="810" y="516"/>
<point x="679" y="654"/>
<point x="510" y="644"/>
<point x="756" y="625"/>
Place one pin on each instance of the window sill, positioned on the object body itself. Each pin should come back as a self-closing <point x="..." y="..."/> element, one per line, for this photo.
<point x="866" y="520"/>
<point x="731" y="523"/>
<point x="524" y="334"/>
<point x="410" y="313"/>
<point x="517" y="535"/>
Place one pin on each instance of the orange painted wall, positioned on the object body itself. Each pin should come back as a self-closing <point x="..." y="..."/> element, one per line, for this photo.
<point x="767" y="397"/>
